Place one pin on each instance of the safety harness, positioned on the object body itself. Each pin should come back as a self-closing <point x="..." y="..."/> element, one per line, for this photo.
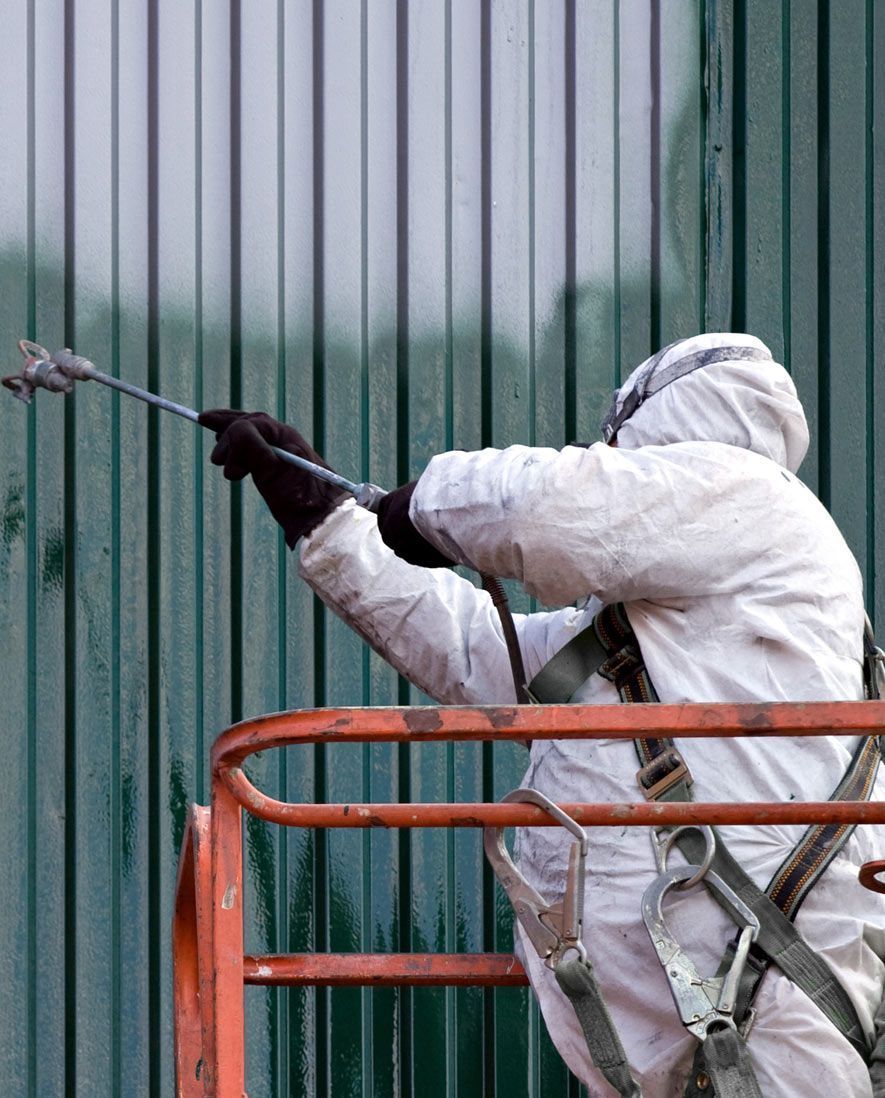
<point x="717" y="1010"/>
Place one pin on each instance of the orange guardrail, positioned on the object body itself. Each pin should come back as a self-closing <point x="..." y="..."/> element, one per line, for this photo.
<point x="210" y="967"/>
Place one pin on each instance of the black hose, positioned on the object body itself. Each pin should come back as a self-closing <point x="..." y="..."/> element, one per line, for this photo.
<point x="517" y="668"/>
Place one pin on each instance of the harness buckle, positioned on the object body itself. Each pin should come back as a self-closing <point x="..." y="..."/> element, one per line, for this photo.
<point x="664" y="771"/>
<point x="704" y="1004"/>
<point x="553" y="929"/>
<point x="620" y="664"/>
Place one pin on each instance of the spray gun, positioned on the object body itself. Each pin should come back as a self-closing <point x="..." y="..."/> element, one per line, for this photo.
<point x="58" y="371"/>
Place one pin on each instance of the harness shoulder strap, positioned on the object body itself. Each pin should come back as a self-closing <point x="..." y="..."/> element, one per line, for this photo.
<point x="609" y="647"/>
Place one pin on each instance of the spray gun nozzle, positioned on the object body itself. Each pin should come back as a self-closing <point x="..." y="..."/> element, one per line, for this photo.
<point x="42" y="370"/>
<point x="19" y="387"/>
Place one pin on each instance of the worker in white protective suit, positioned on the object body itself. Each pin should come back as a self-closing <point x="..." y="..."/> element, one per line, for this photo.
<point x="739" y="588"/>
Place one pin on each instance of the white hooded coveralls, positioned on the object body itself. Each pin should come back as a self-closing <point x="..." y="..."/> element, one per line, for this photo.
<point x="739" y="588"/>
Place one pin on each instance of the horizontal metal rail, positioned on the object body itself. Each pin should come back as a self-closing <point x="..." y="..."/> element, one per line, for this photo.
<point x="544" y="722"/>
<point x="395" y="725"/>
<point x="639" y="814"/>
<point x="384" y="970"/>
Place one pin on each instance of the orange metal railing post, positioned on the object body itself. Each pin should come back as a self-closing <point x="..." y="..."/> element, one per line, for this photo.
<point x="227" y="943"/>
<point x="192" y="960"/>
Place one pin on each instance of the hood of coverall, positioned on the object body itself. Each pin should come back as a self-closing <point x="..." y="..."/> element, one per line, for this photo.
<point x="747" y="403"/>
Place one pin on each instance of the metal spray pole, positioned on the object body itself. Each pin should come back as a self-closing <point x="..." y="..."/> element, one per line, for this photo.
<point x="57" y="372"/>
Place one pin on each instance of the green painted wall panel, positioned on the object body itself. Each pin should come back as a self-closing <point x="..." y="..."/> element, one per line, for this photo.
<point x="846" y="335"/>
<point x="406" y="227"/>
<point x="677" y="139"/>
<point x="765" y="172"/>
<point x="876" y="255"/>
<point x="801" y="249"/>
<point x="17" y="610"/>
<point x="596" y="355"/>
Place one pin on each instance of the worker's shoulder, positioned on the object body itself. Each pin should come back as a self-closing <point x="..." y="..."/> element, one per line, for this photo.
<point x="712" y="477"/>
<point x="784" y="513"/>
<point x="715" y="463"/>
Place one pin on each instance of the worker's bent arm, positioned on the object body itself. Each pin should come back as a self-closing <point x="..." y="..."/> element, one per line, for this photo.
<point x="432" y="625"/>
<point x="654" y="523"/>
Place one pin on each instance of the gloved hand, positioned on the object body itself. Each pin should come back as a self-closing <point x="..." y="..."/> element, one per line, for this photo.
<point x="398" y="531"/>
<point x="298" y="501"/>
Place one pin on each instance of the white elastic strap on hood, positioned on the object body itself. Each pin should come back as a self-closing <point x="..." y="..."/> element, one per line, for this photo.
<point x="719" y="387"/>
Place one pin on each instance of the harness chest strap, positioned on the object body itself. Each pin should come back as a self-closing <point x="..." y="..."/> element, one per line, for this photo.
<point x="664" y="776"/>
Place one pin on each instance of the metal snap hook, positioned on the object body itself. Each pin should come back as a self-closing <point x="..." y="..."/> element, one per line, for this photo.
<point x="556" y="928"/>
<point x="579" y="948"/>
<point x="703" y="1003"/>
<point x="533" y="796"/>
<point x="662" y="842"/>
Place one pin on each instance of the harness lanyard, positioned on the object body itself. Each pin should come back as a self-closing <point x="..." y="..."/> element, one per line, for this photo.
<point x="609" y="646"/>
<point x="555" y="930"/>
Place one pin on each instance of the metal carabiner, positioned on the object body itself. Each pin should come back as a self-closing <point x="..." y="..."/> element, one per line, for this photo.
<point x="662" y="842"/>
<point x="553" y="929"/>
<point x="702" y="1003"/>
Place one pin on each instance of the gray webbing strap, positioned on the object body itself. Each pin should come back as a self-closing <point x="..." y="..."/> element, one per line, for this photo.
<point x="803" y="866"/>
<point x="578" y="982"/>
<point x="877" y="1057"/>
<point x="722" y="1068"/>
<point x="662" y="378"/>
<point x="569" y="668"/>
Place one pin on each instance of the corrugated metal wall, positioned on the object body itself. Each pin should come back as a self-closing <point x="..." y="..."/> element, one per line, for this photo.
<point x="405" y="226"/>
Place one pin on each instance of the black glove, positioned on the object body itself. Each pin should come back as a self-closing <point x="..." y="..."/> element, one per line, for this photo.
<point x="398" y="531"/>
<point x="298" y="501"/>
